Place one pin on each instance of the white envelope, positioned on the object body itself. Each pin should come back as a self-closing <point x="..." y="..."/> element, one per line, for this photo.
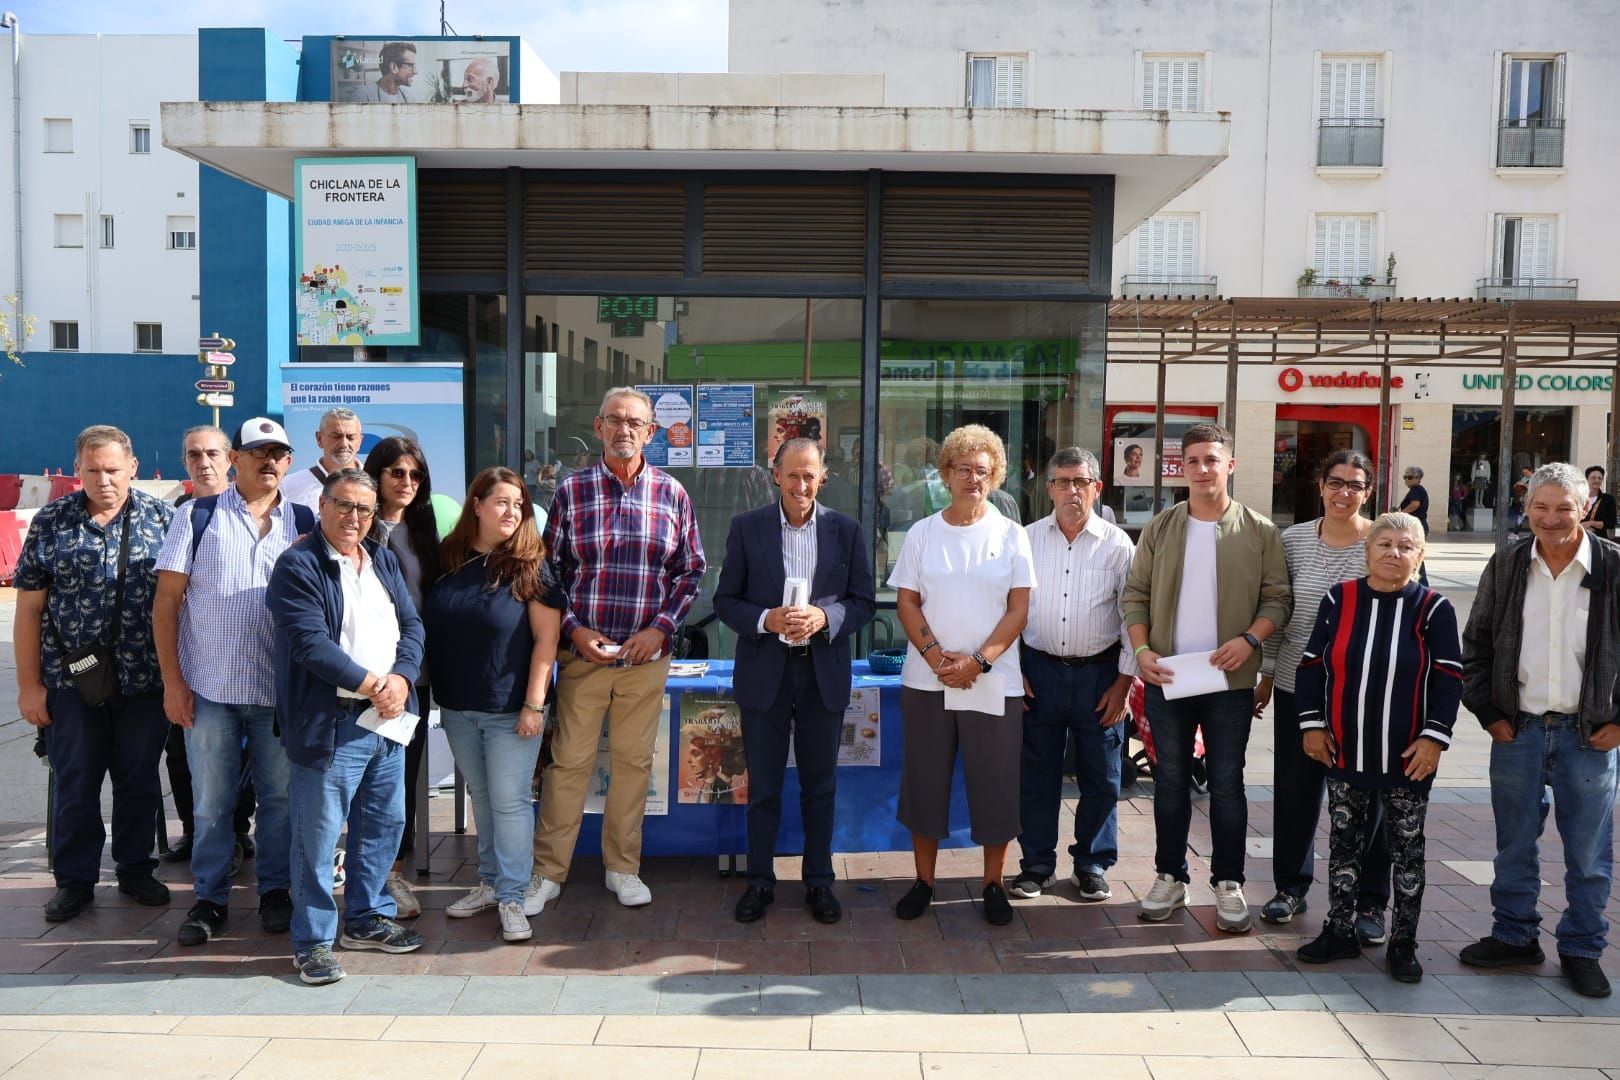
<point x="1193" y="675"/>
<point x="399" y="729"/>
<point x="988" y="694"/>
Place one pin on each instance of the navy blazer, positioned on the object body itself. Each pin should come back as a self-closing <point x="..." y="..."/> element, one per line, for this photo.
<point x="751" y="581"/>
<point x="305" y="599"/>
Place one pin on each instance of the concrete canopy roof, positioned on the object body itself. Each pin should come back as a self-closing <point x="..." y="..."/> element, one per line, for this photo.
<point x="1154" y="156"/>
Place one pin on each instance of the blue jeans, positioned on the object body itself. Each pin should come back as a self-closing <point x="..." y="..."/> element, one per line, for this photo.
<point x="1225" y="717"/>
<point x="214" y="748"/>
<point x="498" y="765"/>
<point x="365" y="785"/>
<point x="1546" y="752"/>
<point x="1065" y="706"/>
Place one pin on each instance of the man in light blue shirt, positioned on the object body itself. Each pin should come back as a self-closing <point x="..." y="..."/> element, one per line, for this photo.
<point x="214" y="645"/>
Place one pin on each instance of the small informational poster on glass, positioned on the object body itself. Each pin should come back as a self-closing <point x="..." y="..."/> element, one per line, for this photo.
<point x="672" y="440"/>
<point x="796" y="412"/>
<point x="713" y="767"/>
<point x="657" y="783"/>
<point x="725" y="425"/>
<point x="861" y="742"/>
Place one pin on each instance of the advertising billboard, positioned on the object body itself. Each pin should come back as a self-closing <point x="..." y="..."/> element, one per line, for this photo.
<point x="407" y="71"/>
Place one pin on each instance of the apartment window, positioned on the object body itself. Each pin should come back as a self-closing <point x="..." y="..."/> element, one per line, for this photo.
<point x="140" y="138"/>
<point x="1350" y="123"/>
<point x="997" y="82"/>
<point x="182" y="230"/>
<point x="69" y="230"/>
<point x="65" y="336"/>
<point x="1523" y="249"/>
<point x="107" y="233"/>
<point x="1530" y="130"/>
<point x="1172" y="82"/>
<point x="1344" y="250"/>
<point x="1167" y="246"/>
<point x="59" y="136"/>
<point x="148" y="337"/>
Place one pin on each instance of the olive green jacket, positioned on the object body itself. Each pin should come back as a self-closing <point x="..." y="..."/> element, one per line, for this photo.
<point x="1251" y="580"/>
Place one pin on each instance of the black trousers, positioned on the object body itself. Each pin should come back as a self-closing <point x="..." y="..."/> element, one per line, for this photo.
<point x="174" y="756"/>
<point x="86" y="744"/>
<point x="415" y="751"/>
<point x="797" y="714"/>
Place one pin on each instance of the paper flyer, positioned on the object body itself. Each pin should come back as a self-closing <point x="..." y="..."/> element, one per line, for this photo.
<point x="713" y="766"/>
<point x="725" y="420"/>
<point x="657" y="792"/>
<point x="797" y="412"/>
<point x="672" y="442"/>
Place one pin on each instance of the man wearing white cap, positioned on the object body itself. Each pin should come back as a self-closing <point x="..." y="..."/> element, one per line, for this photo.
<point x="212" y="577"/>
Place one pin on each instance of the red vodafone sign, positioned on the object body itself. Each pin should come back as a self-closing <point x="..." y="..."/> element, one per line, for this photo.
<point x="1292" y="380"/>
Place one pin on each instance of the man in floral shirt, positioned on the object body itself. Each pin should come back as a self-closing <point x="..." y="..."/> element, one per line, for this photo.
<point x="67" y="599"/>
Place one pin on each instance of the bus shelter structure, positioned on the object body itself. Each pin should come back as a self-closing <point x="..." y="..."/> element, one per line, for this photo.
<point x="1393" y="334"/>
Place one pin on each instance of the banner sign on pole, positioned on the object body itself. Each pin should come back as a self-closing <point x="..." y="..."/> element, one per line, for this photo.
<point x="354" y="270"/>
<point x="420" y="401"/>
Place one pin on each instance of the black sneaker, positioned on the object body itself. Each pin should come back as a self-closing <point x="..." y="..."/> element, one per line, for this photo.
<point x="1330" y="946"/>
<point x="180" y="851"/>
<point x="1401" y="960"/>
<point x="1585" y="976"/>
<point x="68" y="901"/>
<point x="380" y="933"/>
<point x="1370" y="927"/>
<point x="1028" y="885"/>
<point x="147" y="890"/>
<point x="1282" y="908"/>
<point x="1093" y="887"/>
<point x="275" y="911"/>
<point x="317" y="966"/>
<point x="997" y="910"/>
<point x="916" y="900"/>
<point x="205" y="920"/>
<point x="1489" y="953"/>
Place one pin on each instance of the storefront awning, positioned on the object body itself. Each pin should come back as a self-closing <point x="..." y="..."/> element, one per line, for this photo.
<point x="1153" y="156"/>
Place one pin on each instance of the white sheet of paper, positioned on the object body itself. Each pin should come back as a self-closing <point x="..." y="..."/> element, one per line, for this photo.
<point x="988" y="694"/>
<point x="1194" y="675"/>
<point x="399" y="729"/>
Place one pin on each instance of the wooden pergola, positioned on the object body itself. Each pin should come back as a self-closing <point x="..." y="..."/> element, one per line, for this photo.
<point x="1167" y="331"/>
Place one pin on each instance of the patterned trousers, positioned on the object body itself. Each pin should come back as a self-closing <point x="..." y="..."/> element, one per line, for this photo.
<point x="1404" y="810"/>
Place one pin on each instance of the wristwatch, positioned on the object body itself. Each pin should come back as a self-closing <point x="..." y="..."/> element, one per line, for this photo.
<point x="983" y="663"/>
<point x="1253" y="641"/>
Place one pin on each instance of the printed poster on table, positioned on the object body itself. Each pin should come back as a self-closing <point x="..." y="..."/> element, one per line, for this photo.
<point x="713" y="766"/>
<point x="354" y="268"/>
<point x="861" y="742"/>
<point x="601" y="772"/>
<point x="796" y="412"/>
<point x="419" y="401"/>
<point x="725" y="419"/>
<point x="672" y="440"/>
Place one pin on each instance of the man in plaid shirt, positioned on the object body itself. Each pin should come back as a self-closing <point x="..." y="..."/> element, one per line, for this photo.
<point x="624" y="542"/>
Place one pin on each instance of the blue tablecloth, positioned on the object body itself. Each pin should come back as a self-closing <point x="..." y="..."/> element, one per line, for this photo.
<point x="867" y="794"/>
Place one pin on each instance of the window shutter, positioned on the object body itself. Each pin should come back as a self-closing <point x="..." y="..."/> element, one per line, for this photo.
<point x="1327" y="84"/>
<point x="1344" y="248"/>
<point x="1017" y="97"/>
<point x="1554" y="110"/>
<point x="1190" y="96"/>
<point x="1535" y="247"/>
<point x="1144" y="247"/>
<point x="1500" y="263"/>
<point x="1187" y="255"/>
<point x="1322" y="247"/>
<point x="1151" y="72"/>
<point x="1364" y="245"/>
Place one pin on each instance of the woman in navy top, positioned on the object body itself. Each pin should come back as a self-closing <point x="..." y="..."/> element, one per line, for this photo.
<point x="1377" y="691"/>
<point x="492" y="622"/>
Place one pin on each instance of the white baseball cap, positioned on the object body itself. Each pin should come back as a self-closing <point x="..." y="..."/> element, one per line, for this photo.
<point x="260" y="431"/>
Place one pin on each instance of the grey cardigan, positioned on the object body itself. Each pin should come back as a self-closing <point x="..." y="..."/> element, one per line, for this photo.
<point x="1491" y="641"/>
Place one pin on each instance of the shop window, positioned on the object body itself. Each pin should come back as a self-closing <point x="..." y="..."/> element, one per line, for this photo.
<point x="1172" y="82"/>
<point x="997" y="81"/>
<point x="1539" y="435"/>
<point x="1127" y="458"/>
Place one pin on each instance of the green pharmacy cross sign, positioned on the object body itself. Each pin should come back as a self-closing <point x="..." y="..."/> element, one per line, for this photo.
<point x="628" y="315"/>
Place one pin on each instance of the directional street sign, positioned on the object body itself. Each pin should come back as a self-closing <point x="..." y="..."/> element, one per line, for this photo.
<point x="224" y="344"/>
<point x="224" y="386"/>
<point x="217" y="357"/>
<point x="217" y="401"/>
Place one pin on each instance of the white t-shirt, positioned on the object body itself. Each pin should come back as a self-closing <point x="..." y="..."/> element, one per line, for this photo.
<point x="1195" y="607"/>
<point x="964" y="573"/>
<point x="304" y="487"/>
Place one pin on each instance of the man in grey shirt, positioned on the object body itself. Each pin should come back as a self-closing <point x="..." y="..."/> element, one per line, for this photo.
<point x="397" y="62"/>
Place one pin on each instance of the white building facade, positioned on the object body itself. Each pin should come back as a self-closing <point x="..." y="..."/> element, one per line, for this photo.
<point x="109" y="224"/>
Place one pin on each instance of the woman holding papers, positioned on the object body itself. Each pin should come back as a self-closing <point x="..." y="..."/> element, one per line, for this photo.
<point x="1377" y="691"/>
<point x="1320" y="553"/>
<point x="963" y="581"/>
<point x="493" y="621"/>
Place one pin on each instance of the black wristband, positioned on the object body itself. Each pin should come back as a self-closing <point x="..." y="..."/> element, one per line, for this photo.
<point x="1251" y="639"/>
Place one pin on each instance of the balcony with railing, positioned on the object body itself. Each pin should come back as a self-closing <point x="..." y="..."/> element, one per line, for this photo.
<point x="1342" y="142"/>
<point x="1526" y="288"/>
<point x="1366" y="288"/>
<point x="1530" y="144"/>
<point x="1197" y="286"/>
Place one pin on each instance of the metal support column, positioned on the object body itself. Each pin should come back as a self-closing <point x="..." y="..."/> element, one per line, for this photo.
<point x="1158" y="437"/>
<point x="1232" y="398"/>
<point x="871" y="365"/>
<point x="1386" y="457"/>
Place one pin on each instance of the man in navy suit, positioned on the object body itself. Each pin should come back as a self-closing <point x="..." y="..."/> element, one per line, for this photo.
<point x="801" y="684"/>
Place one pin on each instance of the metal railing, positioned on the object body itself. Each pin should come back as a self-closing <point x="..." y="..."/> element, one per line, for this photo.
<point x="1530" y="144"/>
<point x="1201" y="286"/>
<point x="1332" y="290"/>
<point x="1525" y="288"/>
<point x="1341" y="141"/>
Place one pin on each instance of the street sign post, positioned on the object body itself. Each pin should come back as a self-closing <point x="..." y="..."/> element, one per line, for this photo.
<point x="215" y="352"/>
<point x="217" y="402"/>
<point x="222" y="386"/>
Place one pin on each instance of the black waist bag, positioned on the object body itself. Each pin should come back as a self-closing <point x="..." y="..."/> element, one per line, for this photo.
<point x="93" y="668"/>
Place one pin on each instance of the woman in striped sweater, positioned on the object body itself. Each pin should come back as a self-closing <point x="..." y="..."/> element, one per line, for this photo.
<point x="1378" y="690"/>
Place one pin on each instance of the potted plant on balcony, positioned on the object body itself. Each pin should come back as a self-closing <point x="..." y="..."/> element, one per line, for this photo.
<point x="1307" y="277"/>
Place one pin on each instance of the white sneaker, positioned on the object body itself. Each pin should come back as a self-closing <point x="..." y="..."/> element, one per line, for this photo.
<point x="1231" y="910"/>
<point x="1166" y="895"/>
<point x="480" y="899"/>
<point x="538" y="893"/>
<point x="409" y="907"/>
<point x="629" y="889"/>
<point x="514" y="924"/>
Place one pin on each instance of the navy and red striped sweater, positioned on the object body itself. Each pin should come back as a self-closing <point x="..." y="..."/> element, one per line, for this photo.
<point x="1381" y="669"/>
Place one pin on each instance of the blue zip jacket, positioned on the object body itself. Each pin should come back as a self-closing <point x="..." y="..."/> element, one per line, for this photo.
<point x="305" y="599"/>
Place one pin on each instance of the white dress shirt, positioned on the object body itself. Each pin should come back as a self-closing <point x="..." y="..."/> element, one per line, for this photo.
<point x="1552" y="654"/>
<point x="369" y="634"/>
<point x="1076" y="609"/>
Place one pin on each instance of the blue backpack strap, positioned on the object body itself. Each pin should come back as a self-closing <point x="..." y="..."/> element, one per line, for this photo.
<point x="202" y="512"/>
<point x="303" y="519"/>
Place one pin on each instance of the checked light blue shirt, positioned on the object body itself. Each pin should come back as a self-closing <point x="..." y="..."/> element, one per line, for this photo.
<point x="226" y="644"/>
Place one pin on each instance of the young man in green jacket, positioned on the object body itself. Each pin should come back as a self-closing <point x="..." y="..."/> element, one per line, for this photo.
<point x="1209" y="577"/>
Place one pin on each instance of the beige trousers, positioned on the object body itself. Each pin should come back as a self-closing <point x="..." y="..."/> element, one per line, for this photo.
<point x="586" y="693"/>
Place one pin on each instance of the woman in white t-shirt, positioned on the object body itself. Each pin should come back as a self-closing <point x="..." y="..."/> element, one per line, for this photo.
<point x="963" y="577"/>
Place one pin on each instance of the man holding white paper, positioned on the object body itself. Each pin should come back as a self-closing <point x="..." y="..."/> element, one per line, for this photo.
<point x="1208" y="584"/>
<point x="348" y="653"/>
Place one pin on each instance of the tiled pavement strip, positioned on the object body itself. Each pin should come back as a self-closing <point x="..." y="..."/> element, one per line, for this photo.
<point x="680" y="989"/>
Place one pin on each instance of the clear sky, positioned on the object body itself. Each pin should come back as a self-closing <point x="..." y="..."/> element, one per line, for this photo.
<point x="569" y="35"/>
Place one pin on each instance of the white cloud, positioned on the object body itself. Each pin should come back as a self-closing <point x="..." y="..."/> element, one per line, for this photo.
<point x="569" y="35"/>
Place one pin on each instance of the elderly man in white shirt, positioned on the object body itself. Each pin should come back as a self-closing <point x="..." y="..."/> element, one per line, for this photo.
<point x="1077" y="673"/>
